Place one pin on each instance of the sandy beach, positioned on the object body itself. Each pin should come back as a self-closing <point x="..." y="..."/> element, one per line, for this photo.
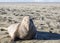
<point x="46" y="18"/>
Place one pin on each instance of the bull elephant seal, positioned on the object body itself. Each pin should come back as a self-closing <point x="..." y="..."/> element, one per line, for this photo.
<point x="25" y="30"/>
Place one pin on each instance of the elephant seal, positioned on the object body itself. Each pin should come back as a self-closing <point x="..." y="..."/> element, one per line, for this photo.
<point x="24" y="30"/>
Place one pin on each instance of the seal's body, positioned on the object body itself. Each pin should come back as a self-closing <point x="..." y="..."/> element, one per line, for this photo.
<point x="12" y="30"/>
<point x="25" y="30"/>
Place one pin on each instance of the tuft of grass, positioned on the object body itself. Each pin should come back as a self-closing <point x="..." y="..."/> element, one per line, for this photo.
<point x="8" y="9"/>
<point x="3" y="12"/>
<point x="2" y="29"/>
<point x="43" y="8"/>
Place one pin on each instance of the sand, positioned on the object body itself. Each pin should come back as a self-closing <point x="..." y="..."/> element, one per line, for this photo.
<point x="46" y="18"/>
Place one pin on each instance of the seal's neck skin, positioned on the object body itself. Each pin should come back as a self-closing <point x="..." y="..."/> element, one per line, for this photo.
<point x="24" y="27"/>
<point x="27" y="28"/>
<point x="25" y="22"/>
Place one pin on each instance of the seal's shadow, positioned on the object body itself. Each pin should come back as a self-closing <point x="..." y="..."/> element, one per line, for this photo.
<point x="46" y="36"/>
